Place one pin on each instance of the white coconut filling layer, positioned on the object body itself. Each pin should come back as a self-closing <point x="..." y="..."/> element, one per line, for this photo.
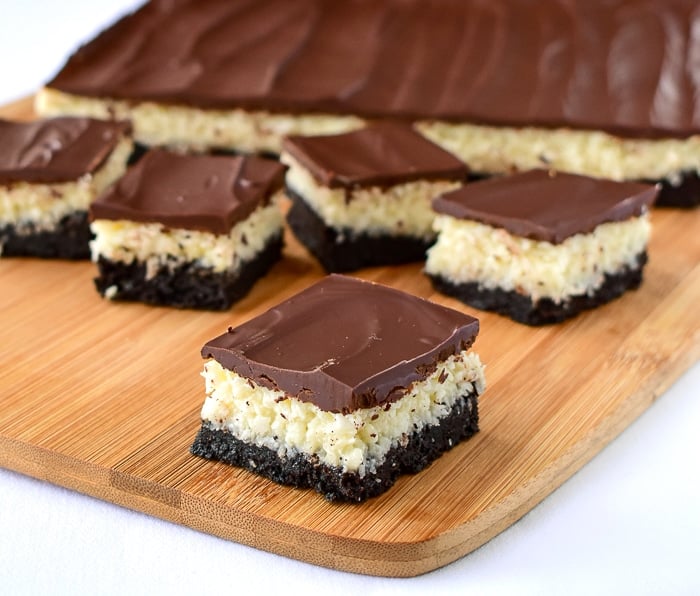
<point x="159" y="246"/>
<point x="487" y="149"/>
<point x="197" y="129"/>
<point x="33" y="207"/>
<point x="500" y="150"/>
<point x="468" y="251"/>
<point x="355" y="442"/>
<point x="402" y="209"/>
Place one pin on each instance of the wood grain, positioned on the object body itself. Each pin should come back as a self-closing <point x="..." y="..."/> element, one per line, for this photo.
<point x="104" y="398"/>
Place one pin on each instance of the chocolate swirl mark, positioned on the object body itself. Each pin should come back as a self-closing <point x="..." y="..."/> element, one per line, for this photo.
<point x="586" y="96"/>
<point x="43" y="143"/>
<point x="507" y="52"/>
<point x="556" y="58"/>
<point x="251" y="62"/>
<point x="636" y="71"/>
<point x="41" y="153"/>
<point x="693" y="62"/>
<point x="671" y="102"/>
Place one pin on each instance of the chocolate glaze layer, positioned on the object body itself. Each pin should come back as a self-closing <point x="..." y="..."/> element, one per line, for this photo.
<point x="344" y="344"/>
<point x="624" y="66"/>
<point x="545" y="205"/>
<point x="56" y="150"/>
<point x="196" y="192"/>
<point x="383" y="153"/>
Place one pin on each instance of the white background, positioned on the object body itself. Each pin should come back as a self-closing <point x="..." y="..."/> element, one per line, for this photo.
<point x="627" y="523"/>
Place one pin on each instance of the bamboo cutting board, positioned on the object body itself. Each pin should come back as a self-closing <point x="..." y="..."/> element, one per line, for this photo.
<point x="104" y="398"/>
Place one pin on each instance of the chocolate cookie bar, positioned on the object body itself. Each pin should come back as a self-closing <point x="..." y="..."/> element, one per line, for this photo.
<point x="189" y="231"/>
<point x="600" y="88"/>
<point x="362" y="198"/>
<point x="540" y="246"/>
<point x="341" y="388"/>
<point x="50" y="172"/>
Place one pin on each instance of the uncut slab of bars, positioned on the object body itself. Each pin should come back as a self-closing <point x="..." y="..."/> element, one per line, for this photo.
<point x="593" y="88"/>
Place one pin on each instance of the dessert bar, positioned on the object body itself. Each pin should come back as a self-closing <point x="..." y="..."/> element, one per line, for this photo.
<point x="189" y="231"/>
<point x="540" y="246"/>
<point x="341" y="388"/>
<point x="363" y="198"/>
<point x="50" y="172"/>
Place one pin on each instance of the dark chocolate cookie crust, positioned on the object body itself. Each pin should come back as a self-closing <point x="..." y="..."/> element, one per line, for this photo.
<point x="302" y="471"/>
<point x="69" y="240"/>
<point x="685" y="194"/>
<point x="545" y="311"/>
<point x="340" y="252"/>
<point x="188" y="285"/>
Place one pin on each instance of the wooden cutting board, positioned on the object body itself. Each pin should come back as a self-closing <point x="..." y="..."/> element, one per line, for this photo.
<point x="104" y="398"/>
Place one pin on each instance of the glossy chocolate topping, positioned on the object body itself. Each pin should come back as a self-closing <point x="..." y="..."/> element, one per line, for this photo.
<point x="383" y="153"/>
<point x="55" y="150"/>
<point x="545" y="205"/>
<point x="344" y="343"/>
<point x="196" y="192"/>
<point x="625" y="66"/>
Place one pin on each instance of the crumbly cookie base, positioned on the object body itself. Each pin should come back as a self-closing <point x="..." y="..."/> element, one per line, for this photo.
<point x="304" y="470"/>
<point x="70" y="239"/>
<point x="184" y="286"/>
<point x="683" y="193"/>
<point x="522" y="309"/>
<point x="342" y="251"/>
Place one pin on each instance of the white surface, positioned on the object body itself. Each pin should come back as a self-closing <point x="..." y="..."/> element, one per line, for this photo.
<point x="628" y="523"/>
